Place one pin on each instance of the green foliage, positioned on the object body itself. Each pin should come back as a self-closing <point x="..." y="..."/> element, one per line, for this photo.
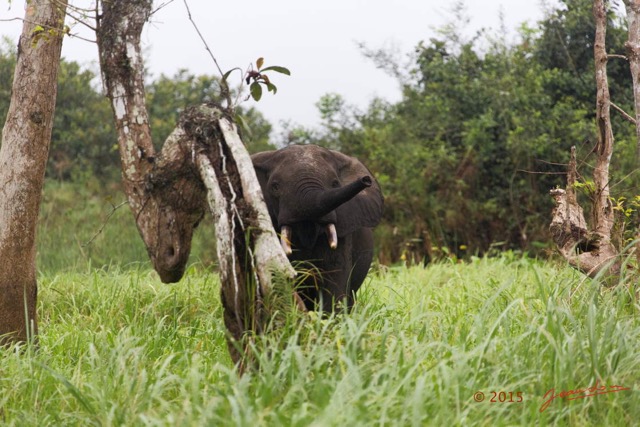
<point x="466" y="158"/>
<point x="256" y="78"/>
<point x="7" y="65"/>
<point x="119" y="348"/>
<point x="83" y="141"/>
<point x="168" y="96"/>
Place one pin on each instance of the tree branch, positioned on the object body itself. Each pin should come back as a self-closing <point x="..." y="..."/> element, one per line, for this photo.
<point x="223" y="84"/>
<point x="624" y="114"/>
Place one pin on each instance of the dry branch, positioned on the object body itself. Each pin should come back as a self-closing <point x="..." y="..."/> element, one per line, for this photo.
<point x="570" y="232"/>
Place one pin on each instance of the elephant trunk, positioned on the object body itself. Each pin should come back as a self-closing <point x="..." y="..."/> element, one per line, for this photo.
<point x="328" y="200"/>
<point x="315" y="206"/>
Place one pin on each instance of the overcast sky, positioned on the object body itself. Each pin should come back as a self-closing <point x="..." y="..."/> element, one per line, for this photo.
<point x="317" y="41"/>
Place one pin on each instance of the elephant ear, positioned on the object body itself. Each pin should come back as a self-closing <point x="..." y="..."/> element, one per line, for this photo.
<point x="365" y="209"/>
<point x="263" y="163"/>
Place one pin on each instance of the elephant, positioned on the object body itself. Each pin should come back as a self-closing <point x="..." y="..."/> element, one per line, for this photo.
<point x="324" y="204"/>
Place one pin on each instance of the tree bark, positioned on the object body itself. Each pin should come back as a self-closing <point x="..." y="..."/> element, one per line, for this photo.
<point x="203" y="160"/>
<point x="602" y="209"/>
<point x="166" y="201"/>
<point x="23" y="156"/>
<point x="591" y="252"/>
<point x="633" y="55"/>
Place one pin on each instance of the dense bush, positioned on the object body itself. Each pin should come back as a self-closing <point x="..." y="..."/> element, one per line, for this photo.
<point x="482" y="133"/>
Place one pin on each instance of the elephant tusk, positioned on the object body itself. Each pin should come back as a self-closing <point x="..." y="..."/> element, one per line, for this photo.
<point x="285" y="239"/>
<point x="332" y="235"/>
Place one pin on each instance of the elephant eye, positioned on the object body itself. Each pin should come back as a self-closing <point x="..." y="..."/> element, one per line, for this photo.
<point x="335" y="183"/>
<point x="275" y="187"/>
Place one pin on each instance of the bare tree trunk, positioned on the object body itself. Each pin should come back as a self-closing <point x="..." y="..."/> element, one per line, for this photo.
<point x="633" y="55"/>
<point x="591" y="252"/>
<point x="602" y="209"/>
<point x="202" y="160"/>
<point x="23" y="156"/>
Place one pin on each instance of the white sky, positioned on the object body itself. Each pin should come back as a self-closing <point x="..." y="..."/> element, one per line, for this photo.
<point x="316" y="40"/>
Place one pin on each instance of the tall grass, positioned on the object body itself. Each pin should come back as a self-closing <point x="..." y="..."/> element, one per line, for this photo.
<point x="118" y="348"/>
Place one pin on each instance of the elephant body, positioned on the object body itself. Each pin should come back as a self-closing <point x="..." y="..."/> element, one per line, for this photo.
<point x="324" y="204"/>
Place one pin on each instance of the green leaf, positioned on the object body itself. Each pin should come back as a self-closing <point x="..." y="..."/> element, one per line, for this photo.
<point x="278" y="69"/>
<point x="256" y="91"/>
<point x="226" y="75"/>
<point x="245" y="126"/>
<point x="259" y="63"/>
<point x="271" y="87"/>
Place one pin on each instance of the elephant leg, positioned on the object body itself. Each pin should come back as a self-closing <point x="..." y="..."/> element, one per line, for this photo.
<point x="335" y="267"/>
<point x="335" y="295"/>
<point x="341" y="272"/>
<point x="346" y="268"/>
<point x="323" y="292"/>
<point x="362" y="256"/>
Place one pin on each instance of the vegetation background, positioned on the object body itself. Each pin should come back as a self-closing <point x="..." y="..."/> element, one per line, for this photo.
<point x="466" y="159"/>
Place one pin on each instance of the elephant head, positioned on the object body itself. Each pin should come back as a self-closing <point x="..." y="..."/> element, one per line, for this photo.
<point x="314" y="193"/>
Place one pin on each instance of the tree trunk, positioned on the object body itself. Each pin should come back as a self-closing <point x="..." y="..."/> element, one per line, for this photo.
<point x="166" y="201"/>
<point x="23" y="156"/>
<point x="633" y="55"/>
<point x="591" y="252"/>
<point x="202" y="160"/>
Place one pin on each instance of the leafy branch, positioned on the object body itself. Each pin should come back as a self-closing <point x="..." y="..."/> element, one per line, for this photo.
<point x="256" y="78"/>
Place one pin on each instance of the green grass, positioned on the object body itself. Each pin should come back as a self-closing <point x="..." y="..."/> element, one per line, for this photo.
<point x="119" y="348"/>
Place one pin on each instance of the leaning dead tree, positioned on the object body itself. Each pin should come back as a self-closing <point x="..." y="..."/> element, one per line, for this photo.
<point x="202" y="165"/>
<point x="589" y="248"/>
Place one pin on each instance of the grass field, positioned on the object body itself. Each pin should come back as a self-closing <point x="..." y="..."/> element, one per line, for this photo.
<point x="117" y="347"/>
